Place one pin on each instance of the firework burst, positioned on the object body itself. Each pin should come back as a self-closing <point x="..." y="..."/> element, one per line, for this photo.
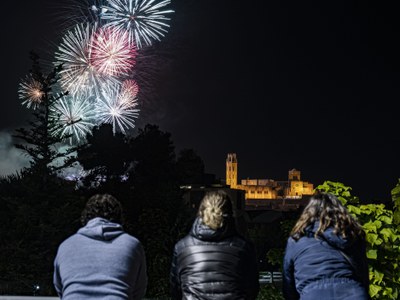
<point x="76" y="117"/>
<point x="118" y="108"/>
<point x="145" y="20"/>
<point x="112" y="54"/>
<point x="128" y="94"/>
<point x="31" y="92"/>
<point x="75" y="53"/>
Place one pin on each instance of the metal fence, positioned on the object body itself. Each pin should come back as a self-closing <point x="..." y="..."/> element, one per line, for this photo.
<point x="270" y="277"/>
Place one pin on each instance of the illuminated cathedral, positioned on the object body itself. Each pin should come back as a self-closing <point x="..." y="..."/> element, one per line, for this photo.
<point x="293" y="188"/>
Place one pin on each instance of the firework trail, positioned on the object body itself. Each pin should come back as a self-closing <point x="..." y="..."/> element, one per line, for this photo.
<point x="112" y="54"/>
<point x="31" y="92"/>
<point x="145" y="20"/>
<point x="118" y="108"/>
<point x="76" y="116"/>
<point x="67" y="14"/>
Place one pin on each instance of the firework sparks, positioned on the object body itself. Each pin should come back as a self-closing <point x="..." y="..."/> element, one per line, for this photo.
<point x="75" y="53"/>
<point x="117" y="108"/>
<point x="143" y="19"/>
<point x="128" y="94"/>
<point x="31" y="92"/>
<point x="76" y="116"/>
<point x="112" y="54"/>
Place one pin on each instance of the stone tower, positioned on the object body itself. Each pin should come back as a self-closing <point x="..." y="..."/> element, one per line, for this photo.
<point x="231" y="170"/>
<point x="294" y="175"/>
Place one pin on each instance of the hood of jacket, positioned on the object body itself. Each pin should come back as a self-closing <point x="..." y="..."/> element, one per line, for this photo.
<point x="205" y="233"/>
<point x="330" y="237"/>
<point x="101" y="229"/>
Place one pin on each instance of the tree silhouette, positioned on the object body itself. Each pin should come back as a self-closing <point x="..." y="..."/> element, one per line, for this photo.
<point x="40" y="142"/>
<point x="105" y="155"/>
<point x="190" y="167"/>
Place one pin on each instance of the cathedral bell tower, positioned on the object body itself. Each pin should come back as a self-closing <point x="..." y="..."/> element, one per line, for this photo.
<point x="231" y="170"/>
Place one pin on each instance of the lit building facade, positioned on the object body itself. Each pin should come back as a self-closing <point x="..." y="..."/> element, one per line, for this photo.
<point x="293" y="188"/>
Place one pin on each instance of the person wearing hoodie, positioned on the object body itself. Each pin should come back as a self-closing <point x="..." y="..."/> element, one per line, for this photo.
<point x="325" y="255"/>
<point x="100" y="261"/>
<point x="213" y="261"/>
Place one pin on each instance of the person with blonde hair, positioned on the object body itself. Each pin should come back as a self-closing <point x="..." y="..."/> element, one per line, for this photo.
<point x="325" y="256"/>
<point x="213" y="261"/>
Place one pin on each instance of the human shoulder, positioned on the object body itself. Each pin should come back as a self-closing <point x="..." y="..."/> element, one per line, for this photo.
<point x="187" y="240"/>
<point x="132" y="240"/>
<point x="70" y="241"/>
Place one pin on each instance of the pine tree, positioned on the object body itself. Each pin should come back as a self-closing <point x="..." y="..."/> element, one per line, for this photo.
<point x="40" y="141"/>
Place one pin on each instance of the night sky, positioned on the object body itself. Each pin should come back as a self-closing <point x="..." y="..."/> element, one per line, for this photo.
<point x="310" y="85"/>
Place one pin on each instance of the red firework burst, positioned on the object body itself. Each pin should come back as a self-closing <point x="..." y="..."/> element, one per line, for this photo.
<point x="112" y="53"/>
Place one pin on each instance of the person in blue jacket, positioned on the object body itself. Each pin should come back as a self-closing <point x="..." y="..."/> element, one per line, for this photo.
<point x="100" y="261"/>
<point x="325" y="256"/>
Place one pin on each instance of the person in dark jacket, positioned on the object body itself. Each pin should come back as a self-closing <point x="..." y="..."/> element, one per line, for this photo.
<point x="100" y="261"/>
<point x="213" y="261"/>
<point x="325" y="256"/>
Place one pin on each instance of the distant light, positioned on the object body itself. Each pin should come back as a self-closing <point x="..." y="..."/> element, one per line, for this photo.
<point x="185" y="187"/>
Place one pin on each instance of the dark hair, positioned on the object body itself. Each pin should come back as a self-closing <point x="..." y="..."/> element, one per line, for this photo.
<point x="215" y="208"/>
<point x="103" y="206"/>
<point x="327" y="209"/>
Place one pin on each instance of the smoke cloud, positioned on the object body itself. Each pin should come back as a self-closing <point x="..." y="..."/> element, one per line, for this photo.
<point x="11" y="158"/>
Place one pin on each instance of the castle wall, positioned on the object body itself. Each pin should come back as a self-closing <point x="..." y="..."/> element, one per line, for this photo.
<point x="293" y="188"/>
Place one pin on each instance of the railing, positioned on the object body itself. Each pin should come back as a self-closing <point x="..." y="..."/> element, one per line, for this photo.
<point x="265" y="277"/>
<point x="37" y="298"/>
<point x="27" y="298"/>
<point x="270" y="277"/>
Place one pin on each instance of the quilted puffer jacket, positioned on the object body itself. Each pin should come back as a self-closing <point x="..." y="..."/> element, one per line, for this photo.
<point x="214" y="264"/>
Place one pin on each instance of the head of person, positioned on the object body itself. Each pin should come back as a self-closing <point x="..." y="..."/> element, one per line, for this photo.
<point x="215" y="209"/>
<point x="328" y="211"/>
<point x="103" y="206"/>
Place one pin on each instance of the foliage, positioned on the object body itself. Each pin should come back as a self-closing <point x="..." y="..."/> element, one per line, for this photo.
<point x="396" y="204"/>
<point x="35" y="217"/>
<point x="270" y="292"/>
<point x="382" y="236"/>
<point x="274" y="257"/>
<point x="190" y="167"/>
<point x="40" y="142"/>
<point x="34" y="222"/>
<point x="105" y="155"/>
<point x="286" y="227"/>
<point x="342" y="192"/>
<point x="157" y="200"/>
<point x="159" y="233"/>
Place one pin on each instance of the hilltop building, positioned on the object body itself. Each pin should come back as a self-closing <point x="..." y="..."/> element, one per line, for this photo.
<point x="293" y="188"/>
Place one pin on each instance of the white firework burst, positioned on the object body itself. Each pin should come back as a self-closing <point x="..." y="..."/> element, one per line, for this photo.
<point x="76" y="117"/>
<point x="145" y="20"/>
<point x="31" y="92"/>
<point x="75" y="54"/>
<point x="116" y="108"/>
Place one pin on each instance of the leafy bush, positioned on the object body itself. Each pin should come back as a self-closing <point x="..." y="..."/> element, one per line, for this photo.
<point x="382" y="228"/>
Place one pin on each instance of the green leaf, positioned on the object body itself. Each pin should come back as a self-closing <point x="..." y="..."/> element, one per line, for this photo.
<point x="370" y="227"/>
<point x="388" y="234"/>
<point x="354" y="209"/>
<point x="377" y="277"/>
<point x="387" y="291"/>
<point x="374" y="290"/>
<point x="386" y="219"/>
<point x="372" y="254"/>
